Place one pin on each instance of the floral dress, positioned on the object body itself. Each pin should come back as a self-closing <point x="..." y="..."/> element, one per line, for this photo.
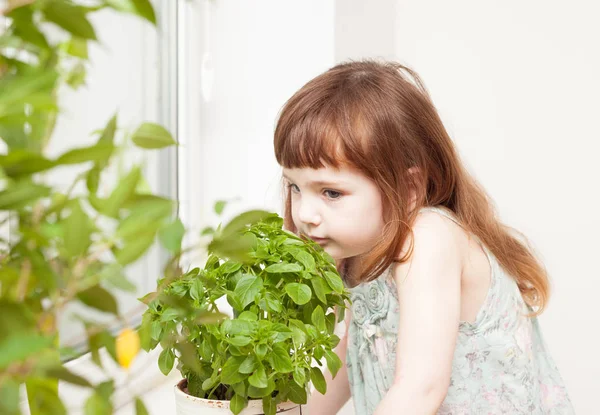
<point x="500" y="366"/>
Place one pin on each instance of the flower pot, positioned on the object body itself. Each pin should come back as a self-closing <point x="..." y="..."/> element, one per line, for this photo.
<point x="190" y="405"/>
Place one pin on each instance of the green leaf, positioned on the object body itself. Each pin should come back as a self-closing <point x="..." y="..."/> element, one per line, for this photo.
<point x="77" y="231"/>
<point x="92" y="179"/>
<point x="98" y="153"/>
<point x="259" y="378"/>
<point x="25" y="28"/>
<point x="240" y="222"/>
<point x="249" y="365"/>
<point x="19" y="346"/>
<point x="235" y="247"/>
<point x="135" y="248"/>
<point x="77" y="47"/>
<point x="100" y="299"/>
<point x="107" y="341"/>
<point x="64" y="374"/>
<point x="255" y="392"/>
<point x="334" y="363"/>
<point x="108" y="134"/>
<point x="21" y="194"/>
<point x="142" y="8"/>
<point x="152" y="136"/>
<point x="145" y="217"/>
<point x="305" y="259"/>
<point x="166" y="360"/>
<point x="318" y="380"/>
<point x="297" y="393"/>
<point x="220" y="206"/>
<point x="156" y="329"/>
<point x="70" y="17"/>
<point x="239" y="341"/>
<point x="230" y="267"/>
<point x="172" y="235"/>
<point x="280" y="333"/>
<point x="230" y="373"/>
<point x="237" y="404"/>
<point x="140" y="408"/>
<point x="113" y="274"/>
<point x="269" y="406"/>
<point x="146" y="341"/>
<point x="209" y="383"/>
<point x="122" y="193"/>
<point x="330" y="322"/>
<point x="248" y="316"/>
<point x="271" y="302"/>
<point x="283" y="267"/>
<point x="261" y="350"/>
<point x="298" y="331"/>
<point x="169" y="314"/>
<point x="43" y="397"/>
<point x="240" y="389"/>
<point x="94" y="346"/>
<point x="321" y="289"/>
<point x="24" y="89"/>
<point x="318" y="318"/>
<point x="238" y="326"/>
<point x="197" y="289"/>
<point x="341" y="314"/>
<point x="233" y="301"/>
<point x="76" y="77"/>
<point x="19" y="163"/>
<point x="207" y="231"/>
<point x="334" y="281"/>
<point x="106" y="389"/>
<point x="282" y="362"/>
<point x="311" y="331"/>
<point x="188" y="356"/>
<point x="247" y="288"/>
<point x="299" y="293"/>
<point x="98" y="405"/>
<point x="299" y="376"/>
<point x="9" y="398"/>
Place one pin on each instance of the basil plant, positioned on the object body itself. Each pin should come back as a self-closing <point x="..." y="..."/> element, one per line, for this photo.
<point x="285" y="296"/>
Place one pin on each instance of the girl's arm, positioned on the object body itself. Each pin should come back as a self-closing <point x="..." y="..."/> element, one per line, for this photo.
<point x="429" y="300"/>
<point x="338" y="389"/>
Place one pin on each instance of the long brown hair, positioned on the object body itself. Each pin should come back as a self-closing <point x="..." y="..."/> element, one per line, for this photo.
<point x="378" y="118"/>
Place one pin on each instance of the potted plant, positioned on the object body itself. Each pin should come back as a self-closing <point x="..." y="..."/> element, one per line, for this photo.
<point x="286" y="297"/>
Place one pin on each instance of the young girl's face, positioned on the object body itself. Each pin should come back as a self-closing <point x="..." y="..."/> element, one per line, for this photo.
<point x="340" y="209"/>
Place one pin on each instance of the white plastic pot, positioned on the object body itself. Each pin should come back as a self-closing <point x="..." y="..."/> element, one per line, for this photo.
<point x="190" y="405"/>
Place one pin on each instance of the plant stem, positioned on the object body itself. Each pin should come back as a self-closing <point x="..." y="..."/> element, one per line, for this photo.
<point x="23" y="280"/>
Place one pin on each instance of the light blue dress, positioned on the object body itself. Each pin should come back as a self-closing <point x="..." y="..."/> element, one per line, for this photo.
<point x="500" y="366"/>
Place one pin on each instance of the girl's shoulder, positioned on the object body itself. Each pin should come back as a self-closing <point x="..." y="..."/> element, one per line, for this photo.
<point x="441" y="217"/>
<point x="436" y="223"/>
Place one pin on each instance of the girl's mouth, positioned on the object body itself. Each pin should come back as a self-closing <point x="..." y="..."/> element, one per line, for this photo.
<point x="320" y="241"/>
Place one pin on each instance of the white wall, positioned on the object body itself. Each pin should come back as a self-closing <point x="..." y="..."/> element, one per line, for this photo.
<point x="517" y="85"/>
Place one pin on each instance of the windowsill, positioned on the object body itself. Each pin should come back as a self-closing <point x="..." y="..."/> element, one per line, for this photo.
<point x="142" y="377"/>
<point x="143" y="380"/>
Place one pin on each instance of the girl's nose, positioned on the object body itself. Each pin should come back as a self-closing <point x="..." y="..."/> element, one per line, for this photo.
<point x="309" y="214"/>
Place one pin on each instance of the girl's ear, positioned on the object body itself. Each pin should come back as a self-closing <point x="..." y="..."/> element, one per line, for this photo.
<point x="413" y="170"/>
<point x="414" y="178"/>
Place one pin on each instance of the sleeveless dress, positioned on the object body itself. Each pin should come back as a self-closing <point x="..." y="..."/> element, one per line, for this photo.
<point x="500" y="365"/>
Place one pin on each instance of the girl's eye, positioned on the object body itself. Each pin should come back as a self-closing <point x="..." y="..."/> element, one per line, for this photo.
<point x="332" y="194"/>
<point x="294" y="188"/>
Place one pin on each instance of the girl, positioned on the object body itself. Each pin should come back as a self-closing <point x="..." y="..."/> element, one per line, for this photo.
<point x="444" y="296"/>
